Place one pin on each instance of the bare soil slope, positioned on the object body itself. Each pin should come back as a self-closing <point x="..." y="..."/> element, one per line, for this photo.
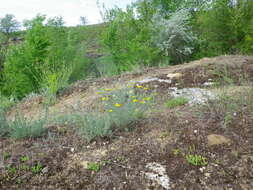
<point x="165" y="137"/>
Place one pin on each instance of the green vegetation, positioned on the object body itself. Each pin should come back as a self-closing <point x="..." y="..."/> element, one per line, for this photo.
<point x="48" y="56"/>
<point x="117" y="109"/>
<point x="22" y="127"/>
<point x="93" y="166"/>
<point x="24" y="158"/>
<point x="228" y="108"/>
<point x="36" y="168"/>
<point x="196" y="160"/>
<point x="175" y="102"/>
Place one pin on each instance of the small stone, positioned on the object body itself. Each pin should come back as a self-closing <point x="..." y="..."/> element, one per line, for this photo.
<point x="207" y="175"/>
<point x="85" y="164"/>
<point x="45" y="170"/>
<point x="72" y="149"/>
<point x="202" y="169"/>
<point x="214" y="139"/>
<point x="195" y="131"/>
<point x="174" y="75"/>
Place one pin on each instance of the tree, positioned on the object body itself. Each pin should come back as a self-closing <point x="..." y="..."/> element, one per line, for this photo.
<point x="83" y="20"/>
<point x="8" y="25"/>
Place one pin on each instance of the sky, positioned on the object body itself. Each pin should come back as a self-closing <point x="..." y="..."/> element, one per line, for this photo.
<point x="70" y="10"/>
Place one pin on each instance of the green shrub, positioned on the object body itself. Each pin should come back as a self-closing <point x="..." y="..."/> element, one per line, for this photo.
<point x="46" y="49"/>
<point x="94" y="125"/>
<point x="6" y="103"/>
<point x="125" y="106"/>
<point x="175" y="102"/>
<point x="128" y="40"/>
<point x="22" y="127"/>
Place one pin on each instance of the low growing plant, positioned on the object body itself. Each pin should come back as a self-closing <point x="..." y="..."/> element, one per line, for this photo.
<point x="175" y="102"/>
<point x="22" y="127"/>
<point x="93" y="166"/>
<point x="36" y="168"/>
<point x="196" y="160"/>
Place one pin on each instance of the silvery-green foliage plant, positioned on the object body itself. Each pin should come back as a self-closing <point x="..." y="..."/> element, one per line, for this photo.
<point x="173" y="36"/>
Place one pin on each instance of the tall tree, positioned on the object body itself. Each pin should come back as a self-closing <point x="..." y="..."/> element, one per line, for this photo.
<point x="8" y="25"/>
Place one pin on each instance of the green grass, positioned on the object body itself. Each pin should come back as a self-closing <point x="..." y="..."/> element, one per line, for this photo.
<point x="93" y="166"/>
<point x="175" y="102"/>
<point x="196" y="160"/>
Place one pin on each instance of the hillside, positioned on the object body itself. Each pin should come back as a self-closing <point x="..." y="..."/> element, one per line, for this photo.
<point x="196" y="134"/>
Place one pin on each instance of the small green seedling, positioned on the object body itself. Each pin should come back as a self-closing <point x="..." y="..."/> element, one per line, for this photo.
<point x="24" y="158"/>
<point x="176" y="152"/>
<point x="12" y="170"/>
<point x="175" y="102"/>
<point x="36" y="168"/>
<point x="196" y="160"/>
<point x="93" y="166"/>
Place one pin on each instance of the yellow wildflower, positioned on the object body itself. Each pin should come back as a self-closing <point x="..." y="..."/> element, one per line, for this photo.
<point x="134" y="96"/>
<point x="104" y="98"/>
<point x="145" y="88"/>
<point x="135" y="100"/>
<point x="147" y="99"/>
<point x="117" y="105"/>
<point x="110" y="111"/>
<point x="108" y="89"/>
<point x="139" y="86"/>
<point x="142" y="102"/>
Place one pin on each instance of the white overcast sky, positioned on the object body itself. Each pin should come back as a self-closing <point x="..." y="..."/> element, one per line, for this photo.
<point x="70" y="10"/>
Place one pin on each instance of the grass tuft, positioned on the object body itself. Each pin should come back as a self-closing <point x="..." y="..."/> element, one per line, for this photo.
<point x="175" y="102"/>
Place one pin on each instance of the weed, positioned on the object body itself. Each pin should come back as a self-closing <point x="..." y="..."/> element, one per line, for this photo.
<point x="24" y="159"/>
<point x="36" y="168"/>
<point x="196" y="160"/>
<point x="93" y="166"/>
<point x="175" y="102"/>
<point x="229" y="106"/>
<point x="176" y="152"/>
<point x="11" y="169"/>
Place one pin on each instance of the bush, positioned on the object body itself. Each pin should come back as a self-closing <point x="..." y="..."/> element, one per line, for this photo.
<point x="225" y="28"/>
<point x="124" y="106"/>
<point x="22" y="127"/>
<point x="117" y="110"/>
<point x="127" y="39"/>
<point x="46" y="50"/>
<point x="173" y="36"/>
<point x="94" y="125"/>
